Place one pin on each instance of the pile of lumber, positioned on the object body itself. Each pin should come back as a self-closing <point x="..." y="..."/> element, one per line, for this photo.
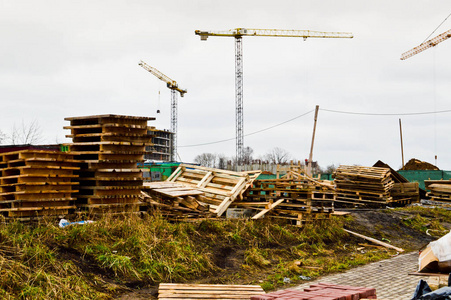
<point x="220" y="187"/>
<point x="403" y="192"/>
<point x="295" y="197"/>
<point x="358" y="185"/>
<point x="440" y="190"/>
<point x="108" y="148"/>
<point x="36" y="183"/>
<point x="176" y="201"/>
<point x="176" y="291"/>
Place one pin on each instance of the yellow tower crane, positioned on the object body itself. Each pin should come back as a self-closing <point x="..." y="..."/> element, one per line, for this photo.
<point x="428" y="44"/>
<point x="173" y="86"/>
<point x="238" y="33"/>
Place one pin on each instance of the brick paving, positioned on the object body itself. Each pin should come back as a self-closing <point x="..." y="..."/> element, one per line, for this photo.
<point x="389" y="277"/>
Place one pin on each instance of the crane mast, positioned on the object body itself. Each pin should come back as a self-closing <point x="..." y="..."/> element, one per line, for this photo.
<point x="173" y="86"/>
<point x="238" y="33"/>
<point x="428" y="44"/>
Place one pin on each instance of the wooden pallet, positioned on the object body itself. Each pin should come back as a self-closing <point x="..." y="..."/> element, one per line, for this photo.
<point x="173" y="291"/>
<point x="357" y="185"/>
<point x="220" y="187"/>
<point x="35" y="183"/>
<point x="176" y="201"/>
<point x="303" y="197"/>
<point x="109" y="147"/>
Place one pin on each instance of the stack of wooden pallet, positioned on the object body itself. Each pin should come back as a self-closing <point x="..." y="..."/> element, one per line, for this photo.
<point x="37" y="183"/>
<point x="220" y="187"/>
<point x="358" y="185"/>
<point x="176" y="201"/>
<point x="403" y="192"/>
<point x="440" y="190"/>
<point x="295" y="196"/>
<point x="108" y="148"/>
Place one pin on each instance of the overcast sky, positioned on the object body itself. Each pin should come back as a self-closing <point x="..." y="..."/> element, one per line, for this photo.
<point x="74" y="58"/>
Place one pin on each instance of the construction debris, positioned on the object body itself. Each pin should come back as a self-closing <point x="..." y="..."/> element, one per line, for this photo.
<point x="403" y="191"/>
<point x="295" y="197"/>
<point x="174" y="291"/>
<point x="440" y="190"/>
<point x="176" y="201"/>
<point x="221" y="187"/>
<point x="108" y="148"/>
<point x="358" y="185"/>
<point x="37" y="183"/>
<point x="374" y="240"/>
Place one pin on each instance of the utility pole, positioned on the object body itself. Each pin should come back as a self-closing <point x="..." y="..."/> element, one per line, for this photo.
<point x="309" y="167"/>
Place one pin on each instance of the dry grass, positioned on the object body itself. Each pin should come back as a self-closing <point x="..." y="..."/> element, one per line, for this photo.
<point x="101" y="259"/>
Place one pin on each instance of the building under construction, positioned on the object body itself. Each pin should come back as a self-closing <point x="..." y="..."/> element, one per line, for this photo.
<point x="161" y="148"/>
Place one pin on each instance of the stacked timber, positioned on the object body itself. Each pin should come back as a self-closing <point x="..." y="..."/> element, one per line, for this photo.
<point x="109" y="147"/>
<point x="36" y="183"/>
<point x="358" y="185"/>
<point x="176" y="201"/>
<point x="403" y="193"/>
<point x="178" y="291"/>
<point x="220" y="187"/>
<point x="440" y="190"/>
<point x="295" y="196"/>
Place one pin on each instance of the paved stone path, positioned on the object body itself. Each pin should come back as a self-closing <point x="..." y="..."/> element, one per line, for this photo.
<point x="389" y="277"/>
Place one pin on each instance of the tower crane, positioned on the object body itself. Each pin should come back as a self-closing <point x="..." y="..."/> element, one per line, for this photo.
<point x="428" y="44"/>
<point x="173" y="86"/>
<point x="238" y="33"/>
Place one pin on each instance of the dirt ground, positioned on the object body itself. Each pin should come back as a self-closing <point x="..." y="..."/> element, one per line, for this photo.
<point x="388" y="226"/>
<point x="384" y="225"/>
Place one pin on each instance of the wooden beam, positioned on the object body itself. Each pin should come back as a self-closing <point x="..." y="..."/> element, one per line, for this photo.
<point x="270" y="207"/>
<point x="374" y="241"/>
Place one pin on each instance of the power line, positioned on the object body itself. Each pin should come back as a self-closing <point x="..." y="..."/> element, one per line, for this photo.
<point x="386" y="114"/>
<point x="324" y="109"/>
<point x="255" y="132"/>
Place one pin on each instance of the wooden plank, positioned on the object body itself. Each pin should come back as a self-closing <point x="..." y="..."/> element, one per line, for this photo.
<point x="175" y="174"/>
<point x="271" y="207"/>
<point x="375" y="241"/>
<point x="207" y="178"/>
<point x="178" y="193"/>
<point x="204" y="291"/>
<point x="212" y="286"/>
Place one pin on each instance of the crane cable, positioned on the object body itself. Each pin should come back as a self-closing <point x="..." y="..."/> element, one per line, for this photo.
<point x="437" y="28"/>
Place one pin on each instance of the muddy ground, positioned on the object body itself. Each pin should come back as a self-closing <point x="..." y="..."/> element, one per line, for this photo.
<point x="384" y="225"/>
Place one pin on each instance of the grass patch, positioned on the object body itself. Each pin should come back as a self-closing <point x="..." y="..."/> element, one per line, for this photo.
<point x="99" y="260"/>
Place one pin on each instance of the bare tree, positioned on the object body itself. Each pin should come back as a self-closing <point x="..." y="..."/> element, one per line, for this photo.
<point x="2" y="137"/>
<point x="26" y="133"/>
<point x="206" y="160"/>
<point x="330" y="169"/>
<point x="277" y="156"/>
<point x="222" y="162"/>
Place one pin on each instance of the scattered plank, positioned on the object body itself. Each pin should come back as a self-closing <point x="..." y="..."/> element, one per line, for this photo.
<point x="374" y="241"/>
<point x="271" y="207"/>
